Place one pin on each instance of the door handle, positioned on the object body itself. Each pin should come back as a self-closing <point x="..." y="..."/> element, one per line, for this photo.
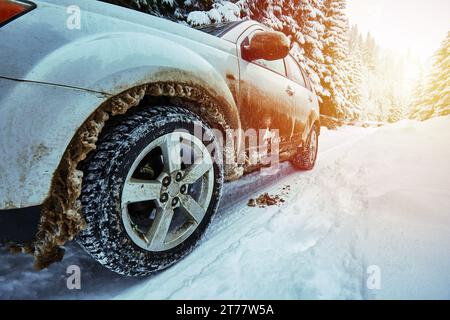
<point x="290" y="92"/>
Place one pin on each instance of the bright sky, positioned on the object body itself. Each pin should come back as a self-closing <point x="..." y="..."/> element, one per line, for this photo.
<point x="420" y="25"/>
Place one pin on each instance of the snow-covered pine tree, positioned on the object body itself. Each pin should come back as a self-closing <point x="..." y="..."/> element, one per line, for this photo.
<point x="160" y="8"/>
<point x="370" y="52"/>
<point x="309" y="14"/>
<point x="268" y="12"/>
<point x="353" y="38"/>
<point x="432" y="98"/>
<point x="418" y="110"/>
<point x="383" y="88"/>
<point x="439" y="86"/>
<point x="354" y="76"/>
<point x="335" y="80"/>
<point x="194" y="12"/>
<point x="395" y="112"/>
<point x="219" y="11"/>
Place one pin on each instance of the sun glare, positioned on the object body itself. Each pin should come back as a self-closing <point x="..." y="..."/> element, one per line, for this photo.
<point x="413" y="26"/>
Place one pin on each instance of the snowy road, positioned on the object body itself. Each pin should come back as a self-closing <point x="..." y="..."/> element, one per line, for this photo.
<point x="379" y="199"/>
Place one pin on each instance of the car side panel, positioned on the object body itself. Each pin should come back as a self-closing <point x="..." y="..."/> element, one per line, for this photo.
<point x="37" y="122"/>
<point x="264" y="102"/>
<point x="301" y="111"/>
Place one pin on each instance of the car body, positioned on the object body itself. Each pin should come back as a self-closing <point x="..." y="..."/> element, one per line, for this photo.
<point x="54" y="77"/>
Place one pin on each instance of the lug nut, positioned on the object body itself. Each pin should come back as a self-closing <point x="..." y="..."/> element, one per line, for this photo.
<point x="175" y="202"/>
<point x="179" y="176"/>
<point x="164" y="197"/>
<point x="183" y="189"/>
<point x="166" y="181"/>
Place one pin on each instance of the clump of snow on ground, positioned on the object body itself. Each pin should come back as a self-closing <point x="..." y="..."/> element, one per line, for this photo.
<point x="377" y="198"/>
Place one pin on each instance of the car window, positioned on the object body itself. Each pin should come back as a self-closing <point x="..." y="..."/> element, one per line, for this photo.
<point x="275" y="66"/>
<point x="293" y="71"/>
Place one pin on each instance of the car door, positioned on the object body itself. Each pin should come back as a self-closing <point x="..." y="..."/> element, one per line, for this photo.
<point x="265" y="99"/>
<point x="303" y="98"/>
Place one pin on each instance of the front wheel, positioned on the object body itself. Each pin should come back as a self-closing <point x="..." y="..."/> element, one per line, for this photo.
<point x="306" y="156"/>
<point x="150" y="189"/>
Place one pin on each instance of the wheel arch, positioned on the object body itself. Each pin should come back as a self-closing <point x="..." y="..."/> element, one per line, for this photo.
<point x="139" y="70"/>
<point x="313" y="120"/>
<point x="61" y="217"/>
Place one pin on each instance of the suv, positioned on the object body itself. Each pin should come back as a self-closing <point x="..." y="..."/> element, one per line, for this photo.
<point x="119" y="128"/>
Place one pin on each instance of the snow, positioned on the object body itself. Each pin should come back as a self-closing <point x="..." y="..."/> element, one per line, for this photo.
<point x="221" y="12"/>
<point x="377" y="200"/>
<point x="229" y="11"/>
<point x="198" y="18"/>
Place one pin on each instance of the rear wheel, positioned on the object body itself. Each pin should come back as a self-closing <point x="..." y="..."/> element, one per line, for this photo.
<point x="306" y="156"/>
<point x="150" y="190"/>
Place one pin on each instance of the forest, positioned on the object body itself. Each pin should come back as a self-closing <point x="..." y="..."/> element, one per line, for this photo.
<point x="355" y="78"/>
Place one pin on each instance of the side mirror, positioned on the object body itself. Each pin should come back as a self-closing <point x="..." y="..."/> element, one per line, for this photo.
<point x="267" y="45"/>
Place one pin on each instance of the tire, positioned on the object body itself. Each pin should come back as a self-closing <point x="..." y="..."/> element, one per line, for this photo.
<point x="306" y="156"/>
<point x="128" y="237"/>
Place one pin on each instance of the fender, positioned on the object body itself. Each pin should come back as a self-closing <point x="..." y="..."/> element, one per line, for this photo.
<point x="313" y="119"/>
<point x="138" y="59"/>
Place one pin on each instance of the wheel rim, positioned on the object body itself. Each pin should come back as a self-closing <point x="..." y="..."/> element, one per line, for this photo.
<point x="313" y="147"/>
<point x="153" y="208"/>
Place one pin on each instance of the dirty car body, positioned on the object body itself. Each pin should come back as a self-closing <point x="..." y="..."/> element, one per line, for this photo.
<point x="56" y="81"/>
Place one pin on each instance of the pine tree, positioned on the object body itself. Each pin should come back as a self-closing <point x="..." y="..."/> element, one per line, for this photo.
<point x="160" y="8"/>
<point x="418" y="97"/>
<point x="194" y="12"/>
<point x="221" y="11"/>
<point x="432" y="99"/>
<point x="353" y="38"/>
<point x="354" y="77"/>
<point x="335" y="77"/>
<point x="370" y="52"/>
<point x="439" y="87"/>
